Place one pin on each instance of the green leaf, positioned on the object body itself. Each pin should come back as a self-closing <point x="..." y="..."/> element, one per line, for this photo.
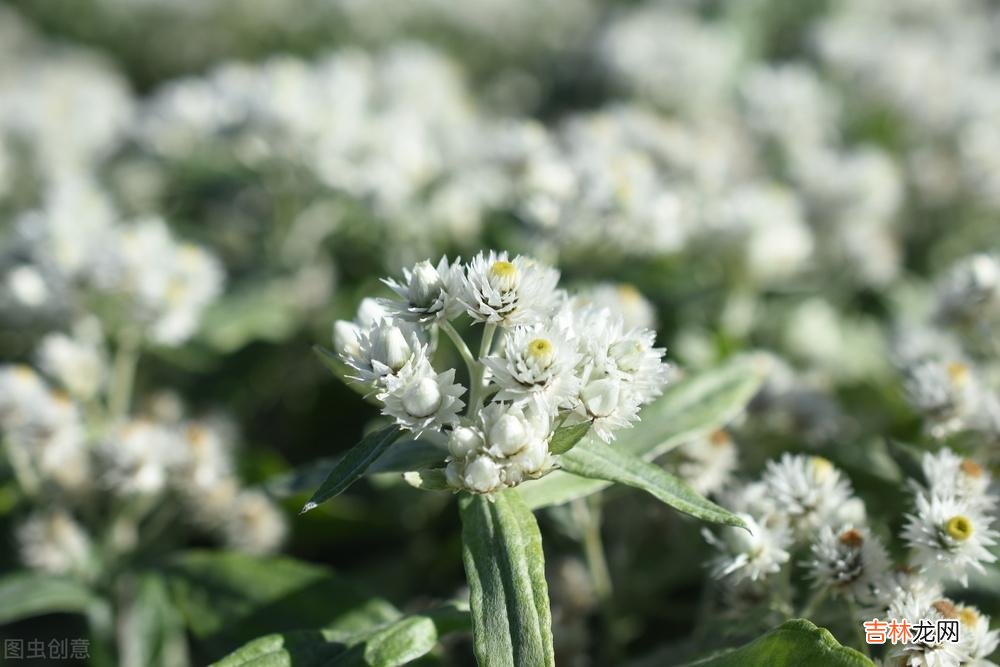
<point x="354" y="464"/>
<point x="566" y="437"/>
<point x="690" y="408"/>
<point x="693" y="407"/>
<point x="504" y="563"/>
<point x="226" y="599"/>
<point x="256" y="312"/>
<point x="152" y="630"/>
<point x="428" y="480"/>
<point x="387" y="645"/>
<point x="598" y="460"/>
<point x="401" y="456"/>
<point x="793" y="643"/>
<point x="25" y="593"/>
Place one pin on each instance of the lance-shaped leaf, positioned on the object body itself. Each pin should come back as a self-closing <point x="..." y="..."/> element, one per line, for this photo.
<point x="395" y="643"/>
<point x="566" y="437"/>
<point x="25" y="594"/>
<point x="505" y="566"/>
<point x="689" y="408"/>
<point x="354" y="464"/>
<point x="793" y="643"/>
<point x="597" y="460"/>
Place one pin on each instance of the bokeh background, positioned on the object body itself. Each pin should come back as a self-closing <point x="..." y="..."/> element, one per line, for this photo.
<point x="818" y="180"/>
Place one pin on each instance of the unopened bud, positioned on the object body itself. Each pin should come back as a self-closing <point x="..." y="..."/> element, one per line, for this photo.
<point x="508" y="435"/>
<point x="482" y="474"/>
<point x="601" y="397"/>
<point x="425" y="284"/>
<point x="464" y="441"/>
<point x="423" y="398"/>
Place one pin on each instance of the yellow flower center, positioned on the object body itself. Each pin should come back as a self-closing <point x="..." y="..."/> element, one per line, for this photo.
<point x="540" y="350"/>
<point x="503" y="269"/>
<point x="821" y="467"/>
<point x="958" y="372"/>
<point x="968" y="616"/>
<point x="959" y="527"/>
<point x="629" y="293"/>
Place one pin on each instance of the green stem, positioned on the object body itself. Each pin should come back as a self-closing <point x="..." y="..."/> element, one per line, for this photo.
<point x="588" y="515"/>
<point x="463" y="349"/>
<point x="859" y="636"/>
<point x="123" y="374"/>
<point x="813" y="602"/>
<point x="477" y="377"/>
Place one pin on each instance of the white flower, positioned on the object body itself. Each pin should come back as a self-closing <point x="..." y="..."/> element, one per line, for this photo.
<point x="970" y="290"/>
<point x="536" y="361"/>
<point x="254" y="524"/>
<point x="497" y="290"/>
<point x="809" y="490"/>
<point x="750" y="554"/>
<point x="707" y="463"/>
<point x="27" y="285"/>
<point x="53" y="541"/>
<point x="79" y="361"/>
<point x="949" y="537"/>
<point x="982" y="641"/>
<point x="383" y="350"/>
<point x="949" y="475"/>
<point x="851" y="561"/>
<point x="420" y="399"/>
<point x="943" y="654"/>
<point x="945" y="394"/>
<point x="138" y="457"/>
<point x="623" y="300"/>
<point x="426" y="292"/>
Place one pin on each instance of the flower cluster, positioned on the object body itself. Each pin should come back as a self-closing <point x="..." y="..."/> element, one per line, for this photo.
<point x="804" y="505"/>
<point x="545" y="360"/>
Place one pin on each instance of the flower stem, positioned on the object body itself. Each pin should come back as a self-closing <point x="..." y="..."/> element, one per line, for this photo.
<point x="813" y="602"/>
<point x="588" y="516"/>
<point x="123" y="377"/>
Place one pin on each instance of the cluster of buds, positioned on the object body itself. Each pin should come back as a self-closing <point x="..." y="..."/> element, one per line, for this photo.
<point x="545" y="360"/>
<point x="805" y="504"/>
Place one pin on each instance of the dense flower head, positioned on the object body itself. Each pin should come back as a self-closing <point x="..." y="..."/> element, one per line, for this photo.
<point x="544" y="360"/>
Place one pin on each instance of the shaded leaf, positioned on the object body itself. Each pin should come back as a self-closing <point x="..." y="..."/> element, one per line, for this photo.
<point x="504" y="564"/>
<point x="401" y="456"/>
<point x="689" y="408"/>
<point x="791" y="644"/>
<point x="387" y="645"/>
<point x="152" y="630"/>
<point x="25" y="593"/>
<point x="353" y="465"/>
<point x="598" y="460"/>
<point x="227" y="599"/>
<point x="566" y="437"/>
<point x="428" y="480"/>
<point x="907" y="457"/>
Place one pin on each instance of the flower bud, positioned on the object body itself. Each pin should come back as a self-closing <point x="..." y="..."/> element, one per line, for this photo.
<point x="423" y="398"/>
<point x="425" y="285"/>
<point x="601" y="397"/>
<point x="453" y="474"/>
<point x="345" y="338"/>
<point x="482" y="474"/>
<point x="508" y="435"/>
<point x="531" y="459"/>
<point x="627" y="354"/>
<point x="391" y="347"/>
<point x="464" y="441"/>
<point x="369" y="312"/>
<point x="503" y="276"/>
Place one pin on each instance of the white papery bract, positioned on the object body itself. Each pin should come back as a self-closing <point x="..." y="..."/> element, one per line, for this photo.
<point x="555" y="361"/>
<point x="425" y="292"/>
<point x="949" y="537"/>
<point x="497" y="290"/>
<point x="539" y="362"/>
<point x="420" y="399"/>
<point x="808" y="489"/>
<point x="851" y="561"/>
<point x="55" y="542"/>
<point x="78" y="362"/>
<point x="750" y="554"/>
<point x="941" y="654"/>
<point x="950" y="475"/>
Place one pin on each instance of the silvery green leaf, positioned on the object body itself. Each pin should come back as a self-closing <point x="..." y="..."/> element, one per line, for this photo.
<point x="566" y="437"/>
<point x="26" y="593"/>
<point x="354" y="464"/>
<point x="505" y="567"/>
<point x="597" y="460"/>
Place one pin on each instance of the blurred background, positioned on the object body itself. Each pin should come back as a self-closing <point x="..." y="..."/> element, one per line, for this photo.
<point x="212" y="183"/>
